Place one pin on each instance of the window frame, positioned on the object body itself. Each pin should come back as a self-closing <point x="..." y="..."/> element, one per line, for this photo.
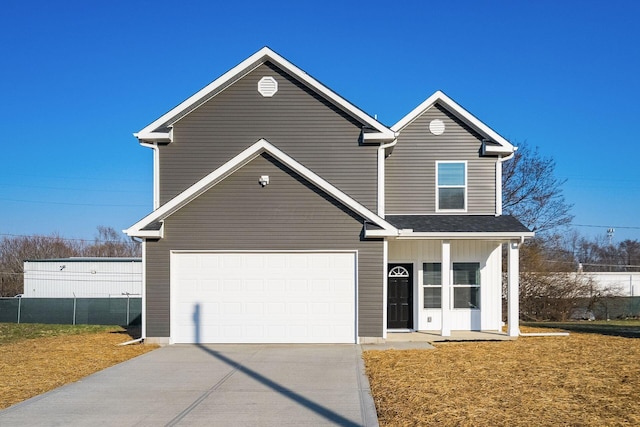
<point x="477" y="286"/>
<point x="445" y="186"/>
<point x="425" y="286"/>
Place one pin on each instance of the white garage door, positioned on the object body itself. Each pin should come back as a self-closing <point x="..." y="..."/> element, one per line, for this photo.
<point x="263" y="297"/>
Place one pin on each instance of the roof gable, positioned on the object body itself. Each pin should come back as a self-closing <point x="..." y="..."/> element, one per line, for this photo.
<point x="150" y="226"/>
<point x="495" y="144"/>
<point x="160" y="129"/>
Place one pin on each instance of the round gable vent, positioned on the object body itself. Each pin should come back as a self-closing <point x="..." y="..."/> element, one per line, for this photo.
<point x="436" y="127"/>
<point x="267" y="86"/>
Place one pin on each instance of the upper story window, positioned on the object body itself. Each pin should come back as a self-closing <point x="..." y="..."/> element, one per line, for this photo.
<point x="451" y="183"/>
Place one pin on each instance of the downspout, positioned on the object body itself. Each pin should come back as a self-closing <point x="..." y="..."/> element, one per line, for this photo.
<point x="499" y="180"/>
<point x="381" y="193"/>
<point x="385" y="243"/>
<point x="156" y="172"/>
<point x="143" y="308"/>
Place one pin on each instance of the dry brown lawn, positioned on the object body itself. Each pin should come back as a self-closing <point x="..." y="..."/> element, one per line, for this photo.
<point x="33" y="366"/>
<point x="580" y="380"/>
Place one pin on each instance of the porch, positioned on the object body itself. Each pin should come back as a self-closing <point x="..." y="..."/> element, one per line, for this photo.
<point x="423" y="340"/>
<point x="456" y="336"/>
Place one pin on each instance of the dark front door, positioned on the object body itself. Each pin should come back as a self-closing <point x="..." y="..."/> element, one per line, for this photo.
<point x="400" y="296"/>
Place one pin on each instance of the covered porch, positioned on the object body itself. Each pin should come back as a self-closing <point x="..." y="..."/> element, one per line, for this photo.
<point x="444" y="277"/>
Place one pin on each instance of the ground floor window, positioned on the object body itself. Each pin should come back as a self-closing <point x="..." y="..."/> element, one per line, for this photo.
<point x="432" y="281"/>
<point x="466" y="285"/>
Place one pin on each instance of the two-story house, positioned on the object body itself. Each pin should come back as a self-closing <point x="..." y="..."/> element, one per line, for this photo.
<point x="285" y="214"/>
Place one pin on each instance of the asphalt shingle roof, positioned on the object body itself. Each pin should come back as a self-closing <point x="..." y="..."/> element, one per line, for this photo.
<point x="458" y="223"/>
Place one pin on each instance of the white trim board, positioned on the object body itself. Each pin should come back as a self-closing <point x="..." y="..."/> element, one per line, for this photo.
<point x="440" y="98"/>
<point x="150" y="132"/>
<point x="238" y="162"/>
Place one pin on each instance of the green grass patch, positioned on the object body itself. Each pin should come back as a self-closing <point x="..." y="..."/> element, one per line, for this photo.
<point x="622" y="328"/>
<point x="14" y="332"/>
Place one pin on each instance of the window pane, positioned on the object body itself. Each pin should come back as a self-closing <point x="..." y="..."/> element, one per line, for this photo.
<point x="451" y="174"/>
<point x="466" y="273"/>
<point x="432" y="296"/>
<point x="451" y="198"/>
<point x="466" y="297"/>
<point x="432" y="274"/>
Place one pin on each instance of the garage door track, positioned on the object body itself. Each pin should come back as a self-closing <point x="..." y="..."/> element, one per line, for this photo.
<point x="214" y="385"/>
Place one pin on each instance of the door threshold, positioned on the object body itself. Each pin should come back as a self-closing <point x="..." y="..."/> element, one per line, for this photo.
<point x="401" y="331"/>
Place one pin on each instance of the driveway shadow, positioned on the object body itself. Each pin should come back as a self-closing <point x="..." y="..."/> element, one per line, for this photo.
<point x="323" y="411"/>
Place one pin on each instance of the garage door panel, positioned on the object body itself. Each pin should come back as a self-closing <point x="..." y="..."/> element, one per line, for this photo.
<point x="263" y="297"/>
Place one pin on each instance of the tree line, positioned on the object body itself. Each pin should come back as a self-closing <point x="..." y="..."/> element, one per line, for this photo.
<point x="554" y="266"/>
<point x="531" y="192"/>
<point x="14" y="250"/>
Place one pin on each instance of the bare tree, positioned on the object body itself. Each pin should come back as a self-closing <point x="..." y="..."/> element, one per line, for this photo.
<point x="630" y="252"/>
<point x="109" y="243"/>
<point x="15" y="250"/>
<point x="532" y="193"/>
<point x="550" y="289"/>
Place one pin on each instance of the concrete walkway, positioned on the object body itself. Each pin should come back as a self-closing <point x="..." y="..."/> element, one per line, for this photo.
<point x="213" y="385"/>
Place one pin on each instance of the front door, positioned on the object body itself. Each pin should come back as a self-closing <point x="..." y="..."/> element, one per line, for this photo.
<point x="400" y="296"/>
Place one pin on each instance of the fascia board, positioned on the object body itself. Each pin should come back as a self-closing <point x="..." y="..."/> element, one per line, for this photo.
<point x="405" y="234"/>
<point x="195" y="99"/>
<point x="199" y="187"/>
<point x="385" y="132"/>
<point x="153" y="136"/>
<point x="263" y="55"/>
<point x="327" y="187"/>
<point x="499" y="150"/>
<point x="145" y="234"/>
<point x="458" y="110"/>
<point x="380" y="233"/>
<point x="236" y="163"/>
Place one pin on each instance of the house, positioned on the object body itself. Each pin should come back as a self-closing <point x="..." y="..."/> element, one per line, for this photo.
<point x="82" y="277"/>
<point x="285" y="214"/>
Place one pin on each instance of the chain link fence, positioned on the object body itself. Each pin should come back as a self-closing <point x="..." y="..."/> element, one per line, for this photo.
<point x="124" y="311"/>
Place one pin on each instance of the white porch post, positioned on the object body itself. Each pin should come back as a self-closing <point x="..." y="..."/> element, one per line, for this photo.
<point x="445" y="330"/>
<point x="513" y="273"/>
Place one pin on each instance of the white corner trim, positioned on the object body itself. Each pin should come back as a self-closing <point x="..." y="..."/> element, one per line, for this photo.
<point x="236" y="163"/>
<point x="454" y="107"/>
<point x="258" y="58"/>
<point x="498" y="187"/>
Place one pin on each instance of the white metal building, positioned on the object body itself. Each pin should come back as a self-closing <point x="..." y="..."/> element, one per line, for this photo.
<point x="83" y="277"/>
<point x="621" y="283"/>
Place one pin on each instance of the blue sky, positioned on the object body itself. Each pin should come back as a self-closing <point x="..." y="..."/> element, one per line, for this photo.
<point x="78" y="78"/>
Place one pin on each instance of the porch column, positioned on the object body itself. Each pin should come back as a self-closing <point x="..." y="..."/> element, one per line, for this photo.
<point x="445" y="330"/>
<point x="513" y="293"/>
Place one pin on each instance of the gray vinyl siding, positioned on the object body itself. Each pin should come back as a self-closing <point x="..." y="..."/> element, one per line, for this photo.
<point x="410" y="171"/>
<point x="295" y="119"/>
<point x="287" y="214"/>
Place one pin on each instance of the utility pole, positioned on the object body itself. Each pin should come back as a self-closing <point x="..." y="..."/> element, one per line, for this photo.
<point x="610" y="232"/>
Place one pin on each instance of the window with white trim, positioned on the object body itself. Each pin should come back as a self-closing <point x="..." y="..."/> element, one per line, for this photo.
<point x="466" y="285"/>
<point x="451" y="183"/>
<point x="432" y="284"/>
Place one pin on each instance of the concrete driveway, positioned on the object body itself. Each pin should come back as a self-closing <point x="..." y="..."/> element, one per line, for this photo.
<point x="214" y="385"/>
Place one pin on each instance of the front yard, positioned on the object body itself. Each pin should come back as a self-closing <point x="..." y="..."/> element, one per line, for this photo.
<point x="582" y="379"/>
<point x="37" y="358"/>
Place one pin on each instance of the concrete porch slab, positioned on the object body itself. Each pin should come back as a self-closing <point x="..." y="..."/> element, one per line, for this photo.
<point x="415" y="340"/>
